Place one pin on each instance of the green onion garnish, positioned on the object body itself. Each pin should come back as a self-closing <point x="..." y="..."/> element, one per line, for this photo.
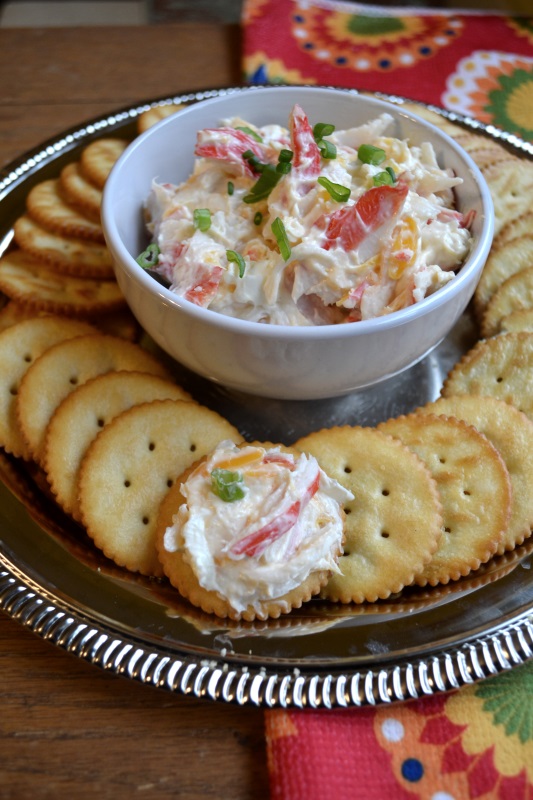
<point x="227" y="485"/>
<point x="322" y="129"/>
<point x="149" y="257"/>
<point x="385" y="178"/>
<point x="336" y="190"/>
<point x="253" y="161"/>
<point x="266" y="182"/>
<point x="278" y="229"/>
<point x="202" y="219"/>
<point x="369" y="154"/>
<point x="232" y="255"/>
<point x="327" y="149"/>
<point x="258" y="218"/>
<point x="269" y="176"/>
<point x="231" y="187"/>
<point x="285" y="156"/>
<point x="250" y="132"/>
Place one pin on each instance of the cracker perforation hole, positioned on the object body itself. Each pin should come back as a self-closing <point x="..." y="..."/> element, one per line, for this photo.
<point x="151" y="446"/>
<point x="127" y="483"/>
<point x="13" y="391"/>
<point x="73" y="380"/>
<point x="100" y="422"/>
<point x="466" y="492"/>
<point x="28" y="358"/>
<point x="192" y="448"/>
<point x="347" y="510"/>
<point x="170" y="482"/>
<point x="385" y="534"/>
<point x="347" y="469"/>
<point x="499" y="379"/>
<point x="385" y="492"/>
<point x="447" y="530"/>
<point x="146" y="520"/>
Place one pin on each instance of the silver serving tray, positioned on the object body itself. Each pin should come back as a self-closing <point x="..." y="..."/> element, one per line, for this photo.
<point x="421" y="642"/>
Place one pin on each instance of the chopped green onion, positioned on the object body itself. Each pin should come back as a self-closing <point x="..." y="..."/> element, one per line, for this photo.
<point x="327" y="149"/>
<point x="278" y="229"/>
<point x="264" y="185"/>
<point x="250" y="132"/>
<point x="322" y="129"/>
<point x="383" y="179"/>
<point x="232" y="255"/>
<point x="269" y="177"/>
<point x="369" y="154"/>
<point x="227" y="485"/>
<point x="149" y="257"/>
<point x="231" y="187"/>
<point x="202" y="219"/>
<point x="253" y="161"/>
<point x="258" y="218"/>
<point x="391" y="173"/>
<point x="285" y="156"/>
<point x="336" y="190"/>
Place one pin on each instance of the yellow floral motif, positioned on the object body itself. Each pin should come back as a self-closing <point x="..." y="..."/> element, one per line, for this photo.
<point x="273" y="70"/>
<point x="511" y="754"/>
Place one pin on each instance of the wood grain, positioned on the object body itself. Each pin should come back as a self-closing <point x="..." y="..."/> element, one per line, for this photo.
<point x="71" y="730"/>
<point x="55" y="78"/>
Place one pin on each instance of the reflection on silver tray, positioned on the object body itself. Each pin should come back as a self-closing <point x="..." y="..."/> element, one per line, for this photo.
<point x="417" y="643"/>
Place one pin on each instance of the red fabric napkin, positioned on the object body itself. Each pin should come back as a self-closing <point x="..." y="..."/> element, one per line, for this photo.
<point x="473" y="743"/>
<point x="478" y="64"/>
<point x="476" y="742"/>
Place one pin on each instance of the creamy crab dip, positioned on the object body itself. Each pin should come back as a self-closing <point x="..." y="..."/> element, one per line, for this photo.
<point x="307" y="225"/>
<point x="257" y="522"/>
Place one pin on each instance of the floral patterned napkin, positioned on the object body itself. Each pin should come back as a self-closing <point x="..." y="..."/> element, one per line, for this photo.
<point x="473" y="743"/>
<point x="477" y="64"/>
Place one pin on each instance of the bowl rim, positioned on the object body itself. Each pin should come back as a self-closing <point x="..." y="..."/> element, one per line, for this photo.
<point x="216" y="319"/>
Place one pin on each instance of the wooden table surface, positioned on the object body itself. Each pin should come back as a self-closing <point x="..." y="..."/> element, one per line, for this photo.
<point x="67" y="728"/>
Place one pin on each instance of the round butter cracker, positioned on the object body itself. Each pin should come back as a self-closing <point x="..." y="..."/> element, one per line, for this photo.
<point x="129" y="468"/>
<point x="500" y="367"/>
<point x="511" y="433"/>
<point x="84" y="413"/>
<point x="21" y="344"/>
<point x="32" y="283"/>
<point x="474" y="487"/>
<point x="393" y="525"/>
<point x="65" y="366"/>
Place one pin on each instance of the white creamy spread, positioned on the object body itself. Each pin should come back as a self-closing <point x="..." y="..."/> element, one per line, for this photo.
<point x="336" y="236"/>
<point x="257" y="522"/>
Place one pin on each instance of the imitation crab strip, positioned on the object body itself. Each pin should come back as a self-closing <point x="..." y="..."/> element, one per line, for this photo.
<point x="255" y="543"/>
<point x="229" y="145"/>
<point x="349" y="226"/>
<point x="307" y="158"/>
<point x="205" y="287"/>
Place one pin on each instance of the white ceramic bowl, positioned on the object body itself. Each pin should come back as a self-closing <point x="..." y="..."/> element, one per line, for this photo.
<point x="282" y="361"/>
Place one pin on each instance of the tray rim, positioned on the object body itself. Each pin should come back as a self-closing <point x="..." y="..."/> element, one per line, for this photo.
<point x="228" y="679"/>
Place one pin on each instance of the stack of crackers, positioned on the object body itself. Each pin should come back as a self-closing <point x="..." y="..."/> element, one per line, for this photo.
<point x="437" y="493"/>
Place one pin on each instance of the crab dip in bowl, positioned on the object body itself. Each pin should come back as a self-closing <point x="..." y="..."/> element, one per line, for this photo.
<point x="296" y="242"/>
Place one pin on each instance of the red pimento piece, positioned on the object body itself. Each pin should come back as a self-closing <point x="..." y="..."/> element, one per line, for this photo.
<point x="306" y="160"/>
<point x="349" y="226"/>
<point x="229" y="145"/>
<point x="205" y="288"/>
<point x="285" y="459"/>
<point x="255" y="543"/>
